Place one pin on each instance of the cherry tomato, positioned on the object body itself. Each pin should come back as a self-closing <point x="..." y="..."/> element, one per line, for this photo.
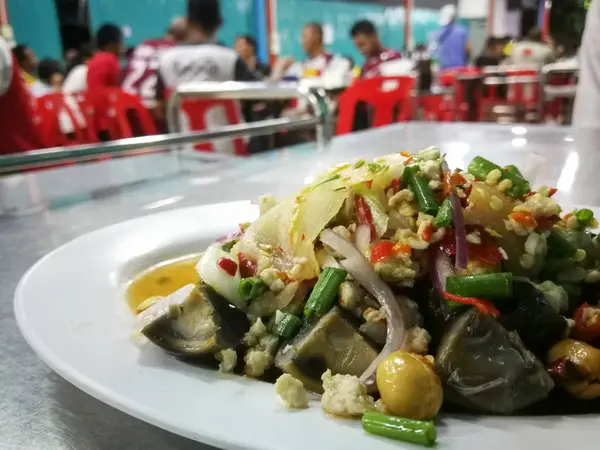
<point x="382" y="251"/>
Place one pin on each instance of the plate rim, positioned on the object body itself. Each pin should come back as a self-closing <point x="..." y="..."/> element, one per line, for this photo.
<point x="134" y="408"/>
<point x="85" y="383"/>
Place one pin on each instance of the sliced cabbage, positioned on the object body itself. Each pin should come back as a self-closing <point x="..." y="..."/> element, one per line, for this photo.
<point x="380" y="218"/>
<point x="293" y="225"/>
<point x="224" y="284"/>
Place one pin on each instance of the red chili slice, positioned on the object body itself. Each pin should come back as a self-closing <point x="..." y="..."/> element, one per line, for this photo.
<point x="364" y="215"/>
<point x="483" y="306"/>
<point x="247" y="267"/>
<point x="228" y="265"/>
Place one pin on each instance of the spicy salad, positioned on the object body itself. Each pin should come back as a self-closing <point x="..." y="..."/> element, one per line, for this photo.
<point x="396" y="286"/>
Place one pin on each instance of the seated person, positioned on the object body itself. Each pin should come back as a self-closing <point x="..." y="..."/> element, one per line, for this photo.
<point x="50" y="78"/>
<point x="491" y="54"/>
<point x="142" y="66"/>
<point x="104" y="69"/>
<point x="76" y="79"/>
<point x="377" y="57"/>
<point x="318" y="62"/>
<point x="199" y="58"/>
<point x="245" y="46"/>
<point x="18" y="132"/>
<point x="422" y="65"/>
<point x="27" y="62"/>
<point x="532" y="51"/>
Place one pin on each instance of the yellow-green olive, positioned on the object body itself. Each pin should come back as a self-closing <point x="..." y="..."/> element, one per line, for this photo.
<point x="576" y="367"/>
<point x="409" y="386"/>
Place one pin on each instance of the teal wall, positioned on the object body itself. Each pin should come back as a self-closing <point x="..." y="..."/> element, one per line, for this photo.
<point x="339" y="17"/>
<point x="148" y="19"/>
<point x="36" y="26"/>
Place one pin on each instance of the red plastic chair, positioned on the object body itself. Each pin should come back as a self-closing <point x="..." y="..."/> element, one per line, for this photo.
<point x="457" y="102"/>
<point x="120" y="115"/>
<point x="63" y="120"/>
<point x="522" y="92"/>
<point x="197" y="115"/>
<point x="385" y="96"/>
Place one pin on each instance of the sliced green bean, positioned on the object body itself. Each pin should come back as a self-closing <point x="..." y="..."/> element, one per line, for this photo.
<point x="407" y="430"/>
<point x="444" y="215"/>
<point x="324" y="294"/>
<point x="481" y="167"/>
<point x="251" y="288"/>
<point x="288" y="327"/>
<point x="514" y="169"/>
<point x="584" y="217"/>
<point x="423" y="193"/>
<point x="492" y="285"/>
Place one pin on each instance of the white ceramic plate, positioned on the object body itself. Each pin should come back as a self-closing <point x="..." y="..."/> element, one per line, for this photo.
<point x="71" y="309"/>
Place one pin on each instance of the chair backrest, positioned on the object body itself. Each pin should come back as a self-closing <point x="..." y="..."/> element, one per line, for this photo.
<point x="522" y="84"/>
<point x="389" y="100"/>
<point x="199" y="115"/>
<point x="449" y="77"/>
<point x="120" y="115"/>
<point x="63" y="121"/>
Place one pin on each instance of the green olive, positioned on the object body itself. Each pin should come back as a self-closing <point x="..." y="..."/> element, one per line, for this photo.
<point x="409" y="386"/>
<point x="582" y="381"/>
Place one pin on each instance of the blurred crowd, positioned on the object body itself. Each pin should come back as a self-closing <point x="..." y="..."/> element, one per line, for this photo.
<point x="188" y="51"/>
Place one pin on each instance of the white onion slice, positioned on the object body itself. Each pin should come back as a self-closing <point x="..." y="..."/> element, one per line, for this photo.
<point x="442" y="269"/>
<point x="362" y="271"/>
<point x="363" y="239"/>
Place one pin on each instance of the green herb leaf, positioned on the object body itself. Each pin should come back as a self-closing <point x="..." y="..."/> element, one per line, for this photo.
<point x="376" y="168"/>
<point x="327" y="180"/>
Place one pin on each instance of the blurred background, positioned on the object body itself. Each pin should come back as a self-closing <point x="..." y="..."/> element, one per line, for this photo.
<point x="59" y="25"/>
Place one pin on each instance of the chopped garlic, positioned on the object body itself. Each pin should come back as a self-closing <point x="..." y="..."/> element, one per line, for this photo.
<point x="291" y="392"/>
<point x="345" y="396"/>
<point x="405" y="195"/>
<point x="493" y="177"/>
<point x="257" y="362"/>
<point x="417" y="341"/>
<point x="255" y="333"/>
<point x="496" y="204"/>
<point x="228" y="358"/>
<point x="504" y="185"/>
<point x="271" y="278"/>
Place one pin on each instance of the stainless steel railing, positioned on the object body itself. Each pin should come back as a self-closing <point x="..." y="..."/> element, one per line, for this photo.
<point x="316" y="99"/>
<point x="318" y="118"/>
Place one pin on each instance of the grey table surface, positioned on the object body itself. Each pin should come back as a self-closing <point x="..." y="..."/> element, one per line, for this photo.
<point x="39" y="410"/>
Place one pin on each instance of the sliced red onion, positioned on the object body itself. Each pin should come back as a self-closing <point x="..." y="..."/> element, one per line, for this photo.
<point x="442" y="269"/>
<point x="460" y="232"/>
<point x="363" y="239"/>
<point x="362" y="271"/>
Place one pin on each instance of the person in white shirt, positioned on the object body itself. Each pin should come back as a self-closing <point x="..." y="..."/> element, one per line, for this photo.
<point x="534" y="50"/>
<point x="76" y="80"/>
<point x="318" y="62"/>
<point x="50" y="78"/>
<point x="586" y="113"/>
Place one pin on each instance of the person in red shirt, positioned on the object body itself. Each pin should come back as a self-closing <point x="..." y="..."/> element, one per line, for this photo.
<point x="17" y="132"/>
<point x="104" y="69"/>
<point x="141" y="71"/>
<point x="367" y="41"/>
